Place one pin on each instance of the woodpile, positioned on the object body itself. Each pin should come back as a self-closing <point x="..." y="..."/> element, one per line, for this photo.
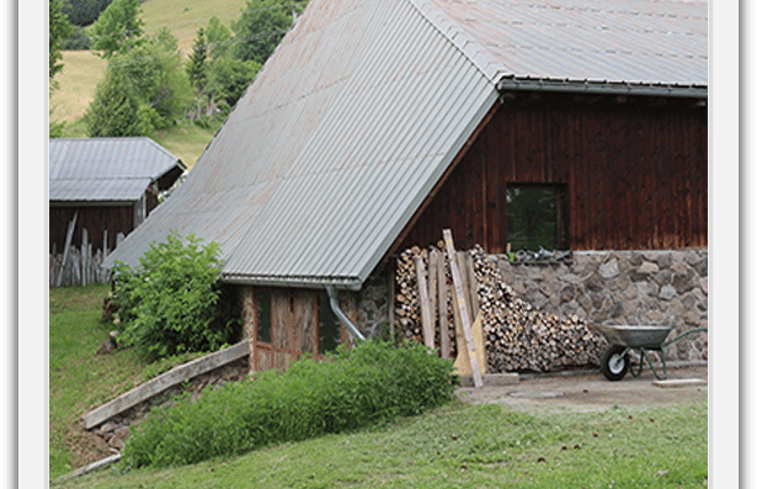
<point x="517" y="337"/>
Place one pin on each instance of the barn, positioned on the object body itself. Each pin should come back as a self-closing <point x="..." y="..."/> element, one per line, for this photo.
<point x="100" y="189"/>
<point x="376" y="124"/>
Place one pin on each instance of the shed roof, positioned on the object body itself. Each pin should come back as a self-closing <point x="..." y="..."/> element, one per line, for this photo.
<point x="365" y="104"/>
<point x="106" y="169"/>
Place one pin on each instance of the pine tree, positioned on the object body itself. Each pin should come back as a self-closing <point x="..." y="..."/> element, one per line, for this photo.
<point x="197" y="68"/>
<point x="115" y="111"/>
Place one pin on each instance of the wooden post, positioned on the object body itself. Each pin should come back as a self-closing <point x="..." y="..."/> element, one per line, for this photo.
<point x="66" y="249"/>
<point x="460" y="256"/>
<point x="442" y="293"/>
<point x="84" y="257"/>
<point x="459" y="297"/>
<point x="433" y="257"/>
<point x="428" y="325"/>
<point x="472" y="284"/>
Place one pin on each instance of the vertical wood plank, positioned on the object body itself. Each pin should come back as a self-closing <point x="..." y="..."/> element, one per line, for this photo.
<point x="67" y="247"/>
<point x="442" y="304"/>
<point x="472" y="285"/>
<point x="433" y="256"/>
<point x="428" y="327"/>
<point x="459" y="298"/>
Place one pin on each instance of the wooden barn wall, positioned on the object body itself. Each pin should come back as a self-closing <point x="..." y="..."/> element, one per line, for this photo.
<point x="635" y="173"/>
<point x="95" y="219"/>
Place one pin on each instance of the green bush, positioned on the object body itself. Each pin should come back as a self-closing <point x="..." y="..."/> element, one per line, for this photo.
<point x="373" y="383"/>
<point x="173" y="303"/>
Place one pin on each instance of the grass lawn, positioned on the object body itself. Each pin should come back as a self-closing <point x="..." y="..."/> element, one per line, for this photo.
<point x="80" y="380"/>
<point x="465" y="446"/>
<point x="455" y="446"/>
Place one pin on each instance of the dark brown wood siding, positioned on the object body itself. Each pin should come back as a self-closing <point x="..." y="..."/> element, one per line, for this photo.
<point x="95" y="219"/>
<point x="635" y="173"/>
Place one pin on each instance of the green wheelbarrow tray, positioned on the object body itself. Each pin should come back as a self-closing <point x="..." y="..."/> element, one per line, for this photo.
<point x="615" y="361"/>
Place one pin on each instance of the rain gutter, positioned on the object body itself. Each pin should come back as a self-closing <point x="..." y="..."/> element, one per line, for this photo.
<point x="512" y="84"/>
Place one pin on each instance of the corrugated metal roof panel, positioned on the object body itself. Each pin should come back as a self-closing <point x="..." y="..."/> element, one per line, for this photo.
<point x="634" y="41"/>
<point x="111" y="169"/>
<point x="364" y="105"/>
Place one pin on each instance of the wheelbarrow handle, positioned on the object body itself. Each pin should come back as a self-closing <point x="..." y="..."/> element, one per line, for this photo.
<point x="685" y="333"/>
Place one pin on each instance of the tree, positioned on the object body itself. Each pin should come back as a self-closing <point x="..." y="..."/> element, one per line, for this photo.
<point x="118" y="29"/>
<point x="83" y="12"/>
<point x="219" y="39"/>
<point x="230" y="77"/>
<point x="59" y="29"/>
<point x="197" y="67"/>
<point x="260" y="28"/>
<point x="156" y="76"/>
<point x="115" y="110"/>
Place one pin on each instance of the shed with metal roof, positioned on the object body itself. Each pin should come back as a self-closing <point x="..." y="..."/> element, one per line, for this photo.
<point x="111" y="184"/>
<point x="377" y="123"/>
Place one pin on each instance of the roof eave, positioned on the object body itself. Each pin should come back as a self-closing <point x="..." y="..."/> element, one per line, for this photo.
<point x="341" y="283"/>
<point x="513" y="84"/>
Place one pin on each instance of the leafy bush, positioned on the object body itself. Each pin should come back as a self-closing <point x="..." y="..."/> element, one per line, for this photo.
<point x="173" y="303"/>
<point x="373" y="383"/>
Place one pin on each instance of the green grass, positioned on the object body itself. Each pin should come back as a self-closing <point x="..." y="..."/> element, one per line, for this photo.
<point x="455" y="446"/>
<point x="80" y="380"/>
<point x="464" y="446"/>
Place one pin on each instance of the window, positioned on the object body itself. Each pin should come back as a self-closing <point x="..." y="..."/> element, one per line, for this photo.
<point x="536" y="217"/>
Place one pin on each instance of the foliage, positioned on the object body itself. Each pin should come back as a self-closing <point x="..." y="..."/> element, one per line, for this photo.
<point x="154" y="70"/>
<point x="118" y="29"/>
<point x="371" y="384"/>
<point x="55" y="128"/>
<point x="172" y="303"/>
<point x="197" y="66"/>
<point x="219" y="38"/>
<point x="230" y="78"/>
<point x="260" y="28"/>
<point x="115" y="110"/>
<point x="84" y="12"/>
<point x="78" y="40"/>
<point x="59" y="28"/>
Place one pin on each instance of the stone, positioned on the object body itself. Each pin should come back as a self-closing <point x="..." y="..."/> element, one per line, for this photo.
<point x="609" y="269"/>
<point x="667" y="292"/>
<point x="665" y="277"/>
<point x="122" y="432"/>
<point x="116" y="442"/>
<point x="108" y="427"/>
<point x="648" y="268"/>
<point x="701" y="267"/>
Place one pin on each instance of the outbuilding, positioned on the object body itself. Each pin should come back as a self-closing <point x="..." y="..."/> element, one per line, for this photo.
<point x="103" y="188"/>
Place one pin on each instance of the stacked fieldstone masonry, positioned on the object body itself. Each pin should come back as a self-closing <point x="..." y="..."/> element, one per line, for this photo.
<point x="622" y="287"/>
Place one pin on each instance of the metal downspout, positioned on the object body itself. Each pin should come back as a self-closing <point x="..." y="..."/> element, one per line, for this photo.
<point x="341" y="314"/>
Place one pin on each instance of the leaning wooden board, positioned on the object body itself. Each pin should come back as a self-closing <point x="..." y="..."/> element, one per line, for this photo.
<point x="462" y="307"/>
<point x="462" y="365"/>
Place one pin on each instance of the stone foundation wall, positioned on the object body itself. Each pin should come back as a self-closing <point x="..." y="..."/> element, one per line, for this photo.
<point x="623" y="287"/>
<point x="612" y="287"/>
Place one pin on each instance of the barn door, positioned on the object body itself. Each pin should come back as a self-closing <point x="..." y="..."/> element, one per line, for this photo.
<point x="286" y="327"/>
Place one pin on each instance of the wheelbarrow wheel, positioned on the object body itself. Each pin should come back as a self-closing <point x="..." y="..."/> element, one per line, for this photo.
<point x="614" y="365"/>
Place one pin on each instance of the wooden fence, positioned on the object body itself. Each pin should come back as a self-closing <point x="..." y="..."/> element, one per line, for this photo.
<point x="78" y="265"/>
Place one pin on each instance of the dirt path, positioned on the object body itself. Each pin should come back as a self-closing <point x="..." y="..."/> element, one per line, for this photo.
<point x="589" y="392"/>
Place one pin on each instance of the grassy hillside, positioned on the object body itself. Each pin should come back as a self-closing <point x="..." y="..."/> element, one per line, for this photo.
<point x="183" y="17"/>
<point x="82" y="71"/>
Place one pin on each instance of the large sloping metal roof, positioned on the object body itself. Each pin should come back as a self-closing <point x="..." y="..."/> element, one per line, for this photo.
<point x="106" y="169"/>
<point x="359" y="112"/>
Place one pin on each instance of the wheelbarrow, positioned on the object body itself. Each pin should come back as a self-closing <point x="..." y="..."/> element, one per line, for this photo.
<point x="615" y="362"/>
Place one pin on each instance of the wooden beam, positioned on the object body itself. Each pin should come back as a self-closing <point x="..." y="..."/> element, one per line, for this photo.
<point x="459" y="298"/>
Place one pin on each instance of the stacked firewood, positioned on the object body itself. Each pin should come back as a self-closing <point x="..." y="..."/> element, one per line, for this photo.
<point x="517" y="337"/>
<point x="407" y="299"/>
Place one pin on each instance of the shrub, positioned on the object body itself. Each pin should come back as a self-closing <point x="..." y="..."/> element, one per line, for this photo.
<point x="373" y="383"/>
<point x="173" y="303"/>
